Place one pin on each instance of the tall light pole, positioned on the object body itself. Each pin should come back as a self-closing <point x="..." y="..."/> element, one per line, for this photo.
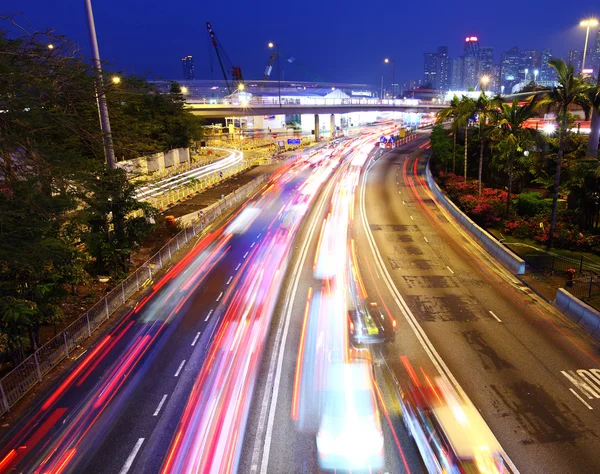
<point x="587" y="23"/>
<point x="276" y="46"/>
<point x="484" y="81"/>
<point x="109" y="151"/>
<point x="393" y="61"/>
<point x="526" y="74"/>
<point x="535" y="75"/>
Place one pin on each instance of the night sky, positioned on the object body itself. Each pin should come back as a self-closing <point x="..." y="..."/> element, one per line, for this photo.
<point x="331" y="41"/>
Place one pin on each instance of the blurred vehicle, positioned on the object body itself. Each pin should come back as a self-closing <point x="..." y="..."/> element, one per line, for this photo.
<point x="450" y="434"/>
<point x="368" y="324"/>
<point x="350" y="435"/>
<point x="242" y="221"/>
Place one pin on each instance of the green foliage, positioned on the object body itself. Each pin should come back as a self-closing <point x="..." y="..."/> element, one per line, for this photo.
<point x="531" y="204"/>
<point x="441" y="146"/>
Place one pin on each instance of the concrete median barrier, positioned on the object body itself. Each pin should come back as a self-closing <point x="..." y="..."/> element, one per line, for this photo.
<point x="503" y="255"/>
<point x="578" y="312"/>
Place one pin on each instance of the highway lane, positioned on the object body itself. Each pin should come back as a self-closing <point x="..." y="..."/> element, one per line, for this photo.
<point x="530" y="372"/>
<point x="120" y="405"/>
<point x="278" y="439"/>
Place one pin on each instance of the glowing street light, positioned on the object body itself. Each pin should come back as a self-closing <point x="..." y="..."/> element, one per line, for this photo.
<point x="50" y="46"/>
<point x="485" y="80"/>
<point x="276" y="46"/>
<point x="549" y="128"/>
<point x="535" y="75"/>
<point x="587" y="24"/>
<point x="526" y="74"/>
<point x="241" y="87"/>
<point x="184" y="90"/>
<point x="387" y="61"/>
<point x="116" y="80"/>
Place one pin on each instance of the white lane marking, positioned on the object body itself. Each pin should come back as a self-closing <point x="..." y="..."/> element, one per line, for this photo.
<point x="282" y="332"/>
<point x="451" y="270"/>
<point x="412" y="218"/>
<point x="219" y="297"/>
<point x="426" y="239"/>
<point x="246" y="254"/>
<point x="496" y="317"/>
<point x="430" y="350"/>
<point x="238" y="267"/>
<point x="258" y="236"/>
<point x="195" y="339"/>
<point x="208" y="315"/>
<point x="229" y="281"/>
<point x="162" y="401"/>
<point x="252" y="244"/>
<point x="403" y="203"/>
<point x="580" y="399"/>
<point x="131" y="458"/>
<point x="179" y="369"/>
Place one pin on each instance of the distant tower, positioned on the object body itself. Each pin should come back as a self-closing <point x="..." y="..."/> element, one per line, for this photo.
<point x="188" y="68"/>
<point x="471" y="47"/>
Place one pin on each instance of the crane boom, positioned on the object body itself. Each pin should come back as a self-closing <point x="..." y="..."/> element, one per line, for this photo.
<point x="269" y="67"/>
<point x="214" y="43"/>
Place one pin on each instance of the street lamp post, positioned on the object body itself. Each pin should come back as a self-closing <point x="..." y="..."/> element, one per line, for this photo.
<point x="526" y="74"/>
<point x="535" y="75"/>
<point x="393" y="61"/>
<point x="587" y="23"/>
<point x="109" y="151"/>
<point x="484" y="81"/>
<point x="276" y="46"/>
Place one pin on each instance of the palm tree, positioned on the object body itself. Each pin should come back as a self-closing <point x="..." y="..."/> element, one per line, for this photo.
<point x="451" y="112"/>
<point x="511" y="135"/>
<point x="592" y="147"/>
<point x="487" y="109"/>
<point x="466" y="111"/>
<point x="571" y="91"/>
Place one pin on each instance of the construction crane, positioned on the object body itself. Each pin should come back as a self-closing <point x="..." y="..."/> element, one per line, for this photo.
<point x="236" y="72"/>
<point x="269" y="67"/>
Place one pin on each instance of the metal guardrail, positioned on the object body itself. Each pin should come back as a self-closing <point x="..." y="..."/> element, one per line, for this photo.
<point x="32" y="370"/>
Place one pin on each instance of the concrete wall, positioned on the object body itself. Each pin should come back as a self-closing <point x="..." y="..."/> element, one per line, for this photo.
<point x="156" y="163"/>
<point x="579" y="312"/>
<point x="511" y="261"/>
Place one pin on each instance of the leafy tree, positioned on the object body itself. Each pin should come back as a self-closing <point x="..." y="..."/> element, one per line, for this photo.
<point x="511" y="138"/>
<point x="461" y="111"/>
<point x="487" y="109"/>
<point x="441" y="146"/>
<point x="451" y="112"/>
<point x="571" y="90"/>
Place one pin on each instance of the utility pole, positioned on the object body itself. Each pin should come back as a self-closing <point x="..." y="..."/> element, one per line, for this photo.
<point x="109" y="152"/>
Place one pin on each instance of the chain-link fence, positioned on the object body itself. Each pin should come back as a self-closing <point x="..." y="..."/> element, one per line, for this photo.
<point x="31" y="371"/>
<point x="550" y="264"/>
<point x="585" y="289"/>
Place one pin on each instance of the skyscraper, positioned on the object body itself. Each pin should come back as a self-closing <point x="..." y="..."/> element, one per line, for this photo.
<point x="436" y="69"/>
<point x="509" y="68"/>
<point x="575" y="58"/>
<point x="547" y="72"/>
<point x="471" y="47"/>
<point x="595" y="56"/>
<point x="188" y="68"/>
<point x="529" y="61"/>
<point x="470" y="72"/>
<point x="486" y="60"/>
<point x="457" y="74"/>
<point x="430" y="70"/>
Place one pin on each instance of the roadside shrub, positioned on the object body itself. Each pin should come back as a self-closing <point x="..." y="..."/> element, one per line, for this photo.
<point x="531" y="204"/>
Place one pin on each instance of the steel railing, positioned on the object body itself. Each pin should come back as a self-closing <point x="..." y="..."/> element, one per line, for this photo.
<point x="310" y="101"/>
<point x="32" y="370"/>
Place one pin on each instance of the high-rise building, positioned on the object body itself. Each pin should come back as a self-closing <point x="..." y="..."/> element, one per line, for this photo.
<point x="430" y="70"/>
<point x="471" y="47"/>
<point x="457" y="74"/>
<point x="443" y="68"/>
<point x="596" y="53"/>
<point x="470" y="72"/>
<point x="509" y="68"/>
<point x="547" y="72"/>
<point x="486" y="60"/>
<point x="436" y="69"/>
<point x="575" y="58"/>
<point x="188" y="68"/>
<point x="528" y="63"/>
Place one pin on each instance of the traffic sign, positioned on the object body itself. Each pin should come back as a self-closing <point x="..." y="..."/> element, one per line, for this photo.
<point x="274" y="135"/>
<point x="220" y="174"/>
<point x="293" y="141"/>
<point x="382" y="139"/>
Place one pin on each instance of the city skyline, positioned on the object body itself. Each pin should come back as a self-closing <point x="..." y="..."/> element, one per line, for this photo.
<point x="328" y="54"/>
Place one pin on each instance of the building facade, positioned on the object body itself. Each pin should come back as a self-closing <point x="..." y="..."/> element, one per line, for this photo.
<point x="188" y="68"/>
